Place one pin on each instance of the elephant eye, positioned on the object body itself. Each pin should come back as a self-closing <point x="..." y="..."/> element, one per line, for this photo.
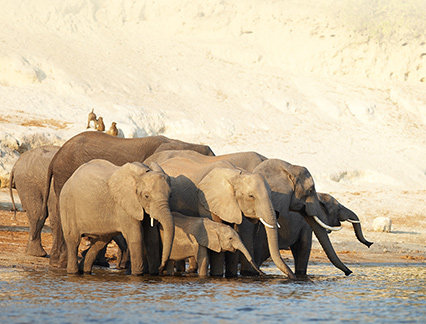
<point x="146" y="196"/>
<point x="251" y="196"/>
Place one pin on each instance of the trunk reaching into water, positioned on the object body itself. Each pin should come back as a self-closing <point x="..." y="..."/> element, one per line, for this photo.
<point x="272" y="235"/>
<point x="322" y="236"/>
<point x="246" y="253"/>
<point x="165" y="218"/>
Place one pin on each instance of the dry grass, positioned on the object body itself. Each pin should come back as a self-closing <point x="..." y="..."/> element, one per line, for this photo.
<point x="46" y="123"/>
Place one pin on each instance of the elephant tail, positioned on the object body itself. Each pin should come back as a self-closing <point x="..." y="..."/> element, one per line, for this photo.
<point x="11" y="183"/>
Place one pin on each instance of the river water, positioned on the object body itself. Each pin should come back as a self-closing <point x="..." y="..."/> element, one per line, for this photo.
<point x="375" y="293"/>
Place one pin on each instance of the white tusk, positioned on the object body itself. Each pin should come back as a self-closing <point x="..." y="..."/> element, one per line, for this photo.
<point x="330" y="228"/>
<point x="278" y="225"/>
<point x="353" y="221"/>
<point x="266" y="224"/>
<point x="152" y="222"/>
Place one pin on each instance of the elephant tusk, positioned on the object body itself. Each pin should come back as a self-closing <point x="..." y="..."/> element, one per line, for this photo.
<point x="278" y="225"/>
<point x="330" y="228"/>
<point x="152" y="222"/>
<point x="353" y="221"/>
<point x="266" y="224"/>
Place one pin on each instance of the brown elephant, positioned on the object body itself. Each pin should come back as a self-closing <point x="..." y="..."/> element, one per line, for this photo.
<point x="28" y="175"/>
<point x="90" y="145"/>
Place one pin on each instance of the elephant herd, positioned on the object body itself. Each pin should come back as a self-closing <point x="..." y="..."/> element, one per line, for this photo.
<point x="163" y="201"/>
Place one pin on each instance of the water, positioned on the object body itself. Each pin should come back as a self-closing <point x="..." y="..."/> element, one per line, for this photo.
<point x="374" y="293"/>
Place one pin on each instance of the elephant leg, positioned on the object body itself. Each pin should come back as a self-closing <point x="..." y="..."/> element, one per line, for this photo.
<point x="58" y="253"/>
<point x="193" y="265"/>
<point x="170" y="267"/>
<point x="72" y="247"/>
<point x="301" y="251"/>
<point x="123" y="257"/>
<point x="89" y="259"/>
<point x="231" y="264"/>
<point x="202" y="260"/>
<point x="100" y="257"/>
<point x="152" y="242"/>
<point x="34" y="246"/>
<point x="247" y="232"/>
<point x="216" y="263"/>
<point x="181" y="265"/>
<point x="134" y="240"/>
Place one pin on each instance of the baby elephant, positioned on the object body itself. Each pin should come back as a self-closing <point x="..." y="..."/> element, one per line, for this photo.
<point x="194" y="236"/>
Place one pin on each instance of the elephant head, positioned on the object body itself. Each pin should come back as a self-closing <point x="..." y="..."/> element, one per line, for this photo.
<point x="230" y="193"/>
<point x="293" y="189"/>
<point x="338" y="213"/>
<point x="140" y="190"/>
<point x="215" y="236"/>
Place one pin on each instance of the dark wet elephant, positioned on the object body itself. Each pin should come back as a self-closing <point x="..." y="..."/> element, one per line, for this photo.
<point x="90" y="145"/>
<point x="295" y="233"/>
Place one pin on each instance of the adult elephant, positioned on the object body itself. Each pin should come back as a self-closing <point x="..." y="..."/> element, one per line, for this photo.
<point x="90" y="145"/>
<point x="28" y="176"/>
<point x="114" y="200"/>
<point x="224" y="193"/>
<point x="295" y="233"/>
<point x="293" y="189"/>
<point x="244" y="160"/>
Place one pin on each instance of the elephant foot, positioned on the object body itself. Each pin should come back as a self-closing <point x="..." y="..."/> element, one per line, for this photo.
<point x="229" y="274"/>
<point x="216" y="275"/>
<point x="35" y="249"/>
<point x="192" y="270"/>
<point x="57" y="263"/>
<point x="101" y="263"/>
<point x="249" y="273"/>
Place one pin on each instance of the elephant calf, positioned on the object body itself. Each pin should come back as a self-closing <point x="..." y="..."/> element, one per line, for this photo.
<point x="194" y="236"/>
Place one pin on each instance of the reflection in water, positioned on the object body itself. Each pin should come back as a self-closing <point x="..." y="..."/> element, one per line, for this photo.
<point x="375" y="293"/>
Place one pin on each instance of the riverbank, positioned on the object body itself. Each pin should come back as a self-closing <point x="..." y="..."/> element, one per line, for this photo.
<point x="406" y="243"/>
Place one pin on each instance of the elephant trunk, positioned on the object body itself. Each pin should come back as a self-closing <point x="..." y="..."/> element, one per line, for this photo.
<point x="324" y="240"/>
<point x="351" y="217"/>
<point x="241" y="247"/>
<point x="164" y="216"/>
<point x="266" y="214"/>
<point x="272" y="235"/>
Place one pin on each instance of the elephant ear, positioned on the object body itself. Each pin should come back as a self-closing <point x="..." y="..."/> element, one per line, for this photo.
<point x="122" y="187"/>
<point x="207" y="235"/>
<point x="216" y="194"/>
<point x="280" y="180"/>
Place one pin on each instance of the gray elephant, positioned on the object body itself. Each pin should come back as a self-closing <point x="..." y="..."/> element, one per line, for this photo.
<point x="91" y="145"/>
<point x="101" y="200"/>
<point x="28" y="176"/>
<point x="223" y="193"/>
<point x="295" y="233"/>
<point x="195" y="236"/>
<point x="244" y="160"/>
<point x="293" y="189"/>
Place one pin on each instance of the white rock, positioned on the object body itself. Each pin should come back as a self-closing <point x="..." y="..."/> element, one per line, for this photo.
<point x="382" y="224"/>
